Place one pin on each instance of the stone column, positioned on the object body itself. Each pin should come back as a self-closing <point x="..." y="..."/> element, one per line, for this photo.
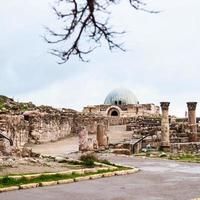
<point x="83" y="139"/>
<point x="192" y="120"/>
<point x="165" y="137"/>
<point x="102" y="139"/>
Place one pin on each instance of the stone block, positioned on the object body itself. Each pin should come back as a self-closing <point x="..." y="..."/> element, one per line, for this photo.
<point x="8" y="189"/>
<point x="108" y="174"/>
<point x="90" y="170"/>
<point x="65" y="181"/>
<point x="82" y="178"/>
<point x="96" y="176"/>
<point x="49" y="183"/>
<point x="28" y="186"/>
<point x="119" y="173"/>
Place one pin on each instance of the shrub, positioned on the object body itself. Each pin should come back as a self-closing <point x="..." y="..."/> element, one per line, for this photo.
<point x="89" y="159"/>
<point x="89" y="163"/>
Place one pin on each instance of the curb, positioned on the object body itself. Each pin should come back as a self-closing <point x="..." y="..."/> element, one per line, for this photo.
<point x="49" y="183"/>
<point x="96" y="176"/>
<point x="108" y="174"/>
<point x="29" y="186"/>
<point x="84" y="178"/>
<point x="67" y="181"/>
<point x="8" y="189"/>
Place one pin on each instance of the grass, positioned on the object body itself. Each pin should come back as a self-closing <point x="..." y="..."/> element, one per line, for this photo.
<point x="186" y="157"/>
<point x="9" y="181"/>
<point x="2" y="106"/>
<point x="87" y="160"/>
<point x="90" y="159"/>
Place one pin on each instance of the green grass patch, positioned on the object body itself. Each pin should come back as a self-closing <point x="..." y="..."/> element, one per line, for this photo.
<point x="9" y="181"/>
<point x="89" y="160"/>
<point x="186" y="157"/>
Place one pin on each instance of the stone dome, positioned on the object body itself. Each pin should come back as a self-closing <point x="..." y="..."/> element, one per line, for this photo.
<point x="121" y="96"/>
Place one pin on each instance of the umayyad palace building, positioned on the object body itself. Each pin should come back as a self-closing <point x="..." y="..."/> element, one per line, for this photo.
<point x="123" y="103"/>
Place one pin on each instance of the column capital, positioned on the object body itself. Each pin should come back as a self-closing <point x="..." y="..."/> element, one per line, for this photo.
<point x="164" y="105"/>
<point x="191" y="106"/>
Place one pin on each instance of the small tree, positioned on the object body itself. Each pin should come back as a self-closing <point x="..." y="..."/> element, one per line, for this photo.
<point x="86" y="26"/>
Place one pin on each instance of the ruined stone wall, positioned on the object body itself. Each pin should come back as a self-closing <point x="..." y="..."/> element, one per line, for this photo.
<point x="48" y="127"/>
<point x="16" y="128"/>
<point x="90" y="121"/>
<point x="45" y="124"/>
<point x="191" y="147"/>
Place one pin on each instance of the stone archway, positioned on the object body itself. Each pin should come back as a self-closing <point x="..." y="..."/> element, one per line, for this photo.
<point x="113" y="112"/>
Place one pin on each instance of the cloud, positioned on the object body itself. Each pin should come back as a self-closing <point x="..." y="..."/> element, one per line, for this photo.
<point x="161" y="62"/>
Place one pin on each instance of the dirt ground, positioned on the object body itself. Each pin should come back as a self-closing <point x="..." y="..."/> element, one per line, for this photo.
<point x="70" y="144"/>
<point x="60" y="148"/>
<point x="33" y="165"/>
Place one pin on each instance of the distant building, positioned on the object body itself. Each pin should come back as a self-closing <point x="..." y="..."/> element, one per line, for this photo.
<point x="123" y="103"/>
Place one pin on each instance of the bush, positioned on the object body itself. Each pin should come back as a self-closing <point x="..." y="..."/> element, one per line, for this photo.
<point x="89" y="159"/>
<point x="89" y="163"/>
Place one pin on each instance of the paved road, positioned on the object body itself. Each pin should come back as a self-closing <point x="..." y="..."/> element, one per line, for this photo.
<point x="157" y="180"/>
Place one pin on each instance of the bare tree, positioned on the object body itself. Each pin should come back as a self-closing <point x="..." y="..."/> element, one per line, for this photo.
<point x="86" y="27"/>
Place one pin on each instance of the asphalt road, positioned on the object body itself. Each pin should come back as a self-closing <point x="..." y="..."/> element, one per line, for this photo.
<point x="157" y="180"/>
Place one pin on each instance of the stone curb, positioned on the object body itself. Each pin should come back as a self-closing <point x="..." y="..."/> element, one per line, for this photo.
<point x="8" y="189"/>
<point x="108" y="174"/>
<point x="65" y="172"/>
<point x="79" y="171"/>
<point x="132" y="171"/>
<point x="101" y="166"/>
<point x="66" y="181"/>
<point x="28" y="186"/>
<point x="91" y="170"/>
<point x="31" y="176"/>
<point x="49" y="183"/>
<point x="84" y="178"/>
<point x="95" y="176"/>
<point x="119" y="173"/>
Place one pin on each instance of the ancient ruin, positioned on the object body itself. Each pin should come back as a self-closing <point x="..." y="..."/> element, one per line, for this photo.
<point x="123" y="103"/>
<point x="24" y="123"/>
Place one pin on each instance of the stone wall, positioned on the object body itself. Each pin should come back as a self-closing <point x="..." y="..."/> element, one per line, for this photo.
<point x="190" y="147"/>
<point x="131" y="110"/>
<point x="16" y="128"/>
<point x="44" y="124"/>
<point x="45" y="127"/>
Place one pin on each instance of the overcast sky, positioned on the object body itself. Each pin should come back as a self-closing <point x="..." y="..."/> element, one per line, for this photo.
<point x="161" y="64"/>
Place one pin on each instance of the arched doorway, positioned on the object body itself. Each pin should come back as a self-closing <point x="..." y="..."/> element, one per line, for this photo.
<point x="114" y="113"/>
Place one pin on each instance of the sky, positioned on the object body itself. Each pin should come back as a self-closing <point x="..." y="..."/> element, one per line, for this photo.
<point x="161" y="62"/>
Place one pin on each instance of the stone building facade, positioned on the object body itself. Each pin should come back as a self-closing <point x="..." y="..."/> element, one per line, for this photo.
<point x="123" y="103"/>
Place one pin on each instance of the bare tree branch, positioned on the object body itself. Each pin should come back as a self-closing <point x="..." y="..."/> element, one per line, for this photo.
<point x="86" y="27"/>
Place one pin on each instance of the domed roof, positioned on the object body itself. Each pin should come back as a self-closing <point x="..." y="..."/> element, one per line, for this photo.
<point x="121" y="96"/>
